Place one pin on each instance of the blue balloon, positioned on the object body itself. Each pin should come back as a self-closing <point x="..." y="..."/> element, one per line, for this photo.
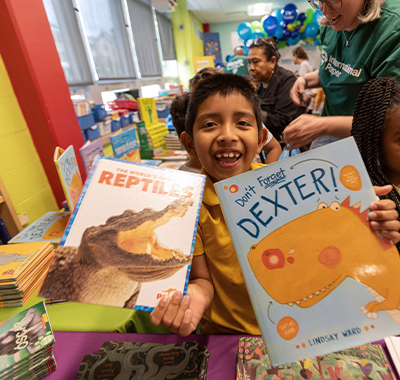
<point x="303" y="36"/>
<point x="297" y="27"/>
<point x="286" y="34"/>
<point x="245" y="49"/>
<point x="279" y="33"/>
<point x="316" y="16"/>
<point x="289" y="13"/>
<point x="257" y="33"/>
<point x="270" y="25"/>
<point x="244" y="31"/>
<point x="228" y="58"/>
<point x="293" y="41"/>
<point x="311" y="30"/>
<point x="302" y="17"/>
<point x="294" y="34"/>
<point x="278" y="15"/>
<point x="317" y="41"/>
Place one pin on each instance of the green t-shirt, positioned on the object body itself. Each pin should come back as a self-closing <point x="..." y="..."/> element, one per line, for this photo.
<point x="237" y="65"/>
<point x="373" y="51"/>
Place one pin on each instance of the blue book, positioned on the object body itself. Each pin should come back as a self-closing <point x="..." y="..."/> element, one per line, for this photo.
<point x="125" y="145"/>
<point x="320" y="279"/>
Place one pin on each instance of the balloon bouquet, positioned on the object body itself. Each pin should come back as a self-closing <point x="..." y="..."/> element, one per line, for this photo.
<point x="286" y="24"/>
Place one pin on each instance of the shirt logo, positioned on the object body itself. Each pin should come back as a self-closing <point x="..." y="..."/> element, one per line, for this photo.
<point x="324" y="57"/>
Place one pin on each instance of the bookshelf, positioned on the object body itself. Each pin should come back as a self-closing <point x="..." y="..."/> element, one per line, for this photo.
<point x="7" y="212"/>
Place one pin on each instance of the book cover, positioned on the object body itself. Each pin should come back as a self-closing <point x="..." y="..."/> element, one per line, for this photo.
<point x="125" y="145"/>
<point x="142" y="134"/>
<point x="148" y="111"/>
<point x="361" y="362"/>
<point x="50" y="227"/>
<point x="69" y="174"/>
<point x="320" y="279"/>
<point x="130" y="239"/>
<point x="89" y="151"/>
<point x="23" y="335"/>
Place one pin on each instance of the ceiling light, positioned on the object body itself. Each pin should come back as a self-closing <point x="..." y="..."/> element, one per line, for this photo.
<point x="259" y="9"/>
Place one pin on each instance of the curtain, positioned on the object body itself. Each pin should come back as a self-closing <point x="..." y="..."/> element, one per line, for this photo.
<point x="166" y="37"/>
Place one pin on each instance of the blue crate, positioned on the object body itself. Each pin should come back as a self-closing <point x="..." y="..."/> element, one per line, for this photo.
<point x="86" y="121"/>
<point x="115" y="125"/>
<point x="99" y="112"/>
<point x="163" y="113"/>
<point x="124" y="121"/>
<point x="84" y="136"/>
<point x="134" y="117"/>
<point x="92" y="133"/>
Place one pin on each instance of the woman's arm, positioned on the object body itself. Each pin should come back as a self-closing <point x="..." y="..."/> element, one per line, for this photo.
<point x="299" y="87"/>
<point x="306" y="128"/>
<point x="272" y="150"/>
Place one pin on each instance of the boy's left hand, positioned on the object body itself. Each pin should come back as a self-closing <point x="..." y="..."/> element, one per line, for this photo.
<point x="383" y="215"/>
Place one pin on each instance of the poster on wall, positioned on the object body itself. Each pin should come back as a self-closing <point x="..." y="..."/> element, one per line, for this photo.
<point x="212" y="47"/>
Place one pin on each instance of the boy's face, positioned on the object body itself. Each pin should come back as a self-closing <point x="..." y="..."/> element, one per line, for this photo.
<point x="225" y="136"/>
<point x="389" y="152"/>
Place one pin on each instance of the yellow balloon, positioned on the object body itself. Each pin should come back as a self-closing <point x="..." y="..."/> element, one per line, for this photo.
<point x="302" y="29"/>
<point x="290" y="27"/>
<point x="310" y="39"/>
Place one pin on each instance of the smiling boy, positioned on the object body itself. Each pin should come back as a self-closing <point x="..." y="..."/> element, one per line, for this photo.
<point x="224" y="130"/>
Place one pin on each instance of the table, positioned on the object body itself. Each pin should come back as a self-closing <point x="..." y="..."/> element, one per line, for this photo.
<point x="75" y="316"/>
<point x="70" y="348"/>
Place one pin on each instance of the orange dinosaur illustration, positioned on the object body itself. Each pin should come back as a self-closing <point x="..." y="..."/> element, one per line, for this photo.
<point x="303" y="261"/>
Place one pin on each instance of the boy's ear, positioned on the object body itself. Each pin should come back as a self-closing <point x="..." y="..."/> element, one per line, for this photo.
<point x="188" y="144"/>
<point x="262" y="138"/>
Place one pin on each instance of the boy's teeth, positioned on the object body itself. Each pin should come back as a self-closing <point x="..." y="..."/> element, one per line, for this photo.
<point x="227" y="155"/>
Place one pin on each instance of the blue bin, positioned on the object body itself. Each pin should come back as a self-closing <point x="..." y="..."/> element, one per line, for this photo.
<point x="124" y="121"/>
<point x="115" y="125"/>
<point x="84" y="136"/>
<point x="99" y="112"/>
<point x="86" y="121"/>
<point x="92" y="133"/>
<point x="134" y="117"/>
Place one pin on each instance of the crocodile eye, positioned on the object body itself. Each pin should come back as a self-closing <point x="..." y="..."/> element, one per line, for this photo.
<point x="322" y="205"/>
<point x="335" y="206"/>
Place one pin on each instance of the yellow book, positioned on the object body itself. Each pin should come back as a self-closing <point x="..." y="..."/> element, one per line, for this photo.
<point x="148" y="111"/>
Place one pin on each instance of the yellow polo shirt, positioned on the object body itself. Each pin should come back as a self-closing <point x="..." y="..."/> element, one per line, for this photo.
<point x="231" y="311"/>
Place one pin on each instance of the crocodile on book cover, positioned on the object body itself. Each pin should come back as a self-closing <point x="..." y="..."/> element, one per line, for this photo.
<point x="319" y="277"/>
<point x="130" y="238"/>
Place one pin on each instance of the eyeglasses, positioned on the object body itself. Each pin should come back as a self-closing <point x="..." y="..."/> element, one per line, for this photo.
<point x="319" y="5"/>
<point x="263" y="41"/>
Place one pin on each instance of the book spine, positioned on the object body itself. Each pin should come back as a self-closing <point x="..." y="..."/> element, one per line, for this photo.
<point x="4" y="235"/>
<point x="70" y="205"/>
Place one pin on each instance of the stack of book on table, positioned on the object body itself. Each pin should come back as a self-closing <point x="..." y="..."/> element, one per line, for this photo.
<point x="155" y="361"/>
<point x="26" y="345"/>
<point x="23" y="268"/>
<point x="172" y="142"/>
<point x="367" y="361"/>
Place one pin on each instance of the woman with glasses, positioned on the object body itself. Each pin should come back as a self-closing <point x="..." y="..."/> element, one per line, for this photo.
<point x="360" y="41"/>
<point x="273" y="88"/>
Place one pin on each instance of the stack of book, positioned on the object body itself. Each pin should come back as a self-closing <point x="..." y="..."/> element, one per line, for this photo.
<point x="172" y="142"/>
<point x="23" y="268"/>
<point x="367" y="361"/>
<point x="185" y="360"/>
<point x="26" y="345"/>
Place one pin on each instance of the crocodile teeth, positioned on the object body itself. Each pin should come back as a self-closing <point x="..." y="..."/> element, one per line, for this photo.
<point x="327" y="287"/>
<point x="316" y="293"/>
<point x="298" y="302"/>
<point x="332" y="283"/>
<point x="304" y="299"/>
<point x="311" y="296"/>
<point x="290" y="303"/>
<point x="323" y="289"/>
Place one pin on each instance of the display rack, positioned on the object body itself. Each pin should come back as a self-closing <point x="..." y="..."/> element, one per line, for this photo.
<point x="7" y="212"/>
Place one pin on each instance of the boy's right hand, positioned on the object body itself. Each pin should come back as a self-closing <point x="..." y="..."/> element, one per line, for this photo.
<point x="181" y="315"/>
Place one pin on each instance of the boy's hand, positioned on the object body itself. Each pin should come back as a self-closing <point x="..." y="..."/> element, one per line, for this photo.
<point x="383" y="215"/>
<point x="181" y="315"/>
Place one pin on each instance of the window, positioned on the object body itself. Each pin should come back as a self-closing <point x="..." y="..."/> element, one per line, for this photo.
<point x="166" y="37"/>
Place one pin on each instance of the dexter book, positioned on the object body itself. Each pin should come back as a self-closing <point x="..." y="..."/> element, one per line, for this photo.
<point x="130" y="238"/>
<point x="320" y="279"/>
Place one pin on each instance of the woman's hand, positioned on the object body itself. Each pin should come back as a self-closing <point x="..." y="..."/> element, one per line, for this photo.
<point x="383" y="215"/>
<point x="303" y="130"/>
<point x="181" y="315"/>
<point x="298" y="90"/>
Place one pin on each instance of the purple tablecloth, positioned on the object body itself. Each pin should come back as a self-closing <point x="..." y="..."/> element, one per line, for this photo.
<point x="71" y="347"/>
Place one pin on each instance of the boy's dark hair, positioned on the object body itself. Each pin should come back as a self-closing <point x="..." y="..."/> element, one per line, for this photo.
<point x="370" y="117"/>
<point x="201" y="74"/>
<point x="300" y="52"/>
<point x="224" y="85"/>
<point x="268" y="46"/>
<point x="178" y="112"/>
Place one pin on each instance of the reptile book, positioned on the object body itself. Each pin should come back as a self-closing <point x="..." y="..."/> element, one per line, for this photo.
<point x="320" y="279"/>
<point x="137" y="246"/>
<point x="70" y="177"/>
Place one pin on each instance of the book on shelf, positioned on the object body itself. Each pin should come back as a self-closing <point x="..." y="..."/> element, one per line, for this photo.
<point x="22" y="270"/>
<point x="151" y="162"/>
<point x="319" y="277"/>
<point x="134" y="248"/>
<point x="50" y="227"/>
<point x="26" y="344"/>
<point x="70" y="177"/>
<point x="172" y="142"/>
<point x="89" y="152"/>
<point x="366" y="361"/>
<point x="172" y="164"/>
<point x="148" y="111"/>
<point x="172" y="155"/>
<point x="125" y="145"/>
<point x="185" y="360"/>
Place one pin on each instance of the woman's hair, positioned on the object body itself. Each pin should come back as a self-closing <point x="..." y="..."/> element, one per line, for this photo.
<point x="178" y="112"/>
<point x="376" y="98"/>
<point x="268" y="46"/>
<point x="201" y="74"/>
<point x="223" y="85"/>
<point x="372" y="11"/>
<point x="300" y="52"/>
